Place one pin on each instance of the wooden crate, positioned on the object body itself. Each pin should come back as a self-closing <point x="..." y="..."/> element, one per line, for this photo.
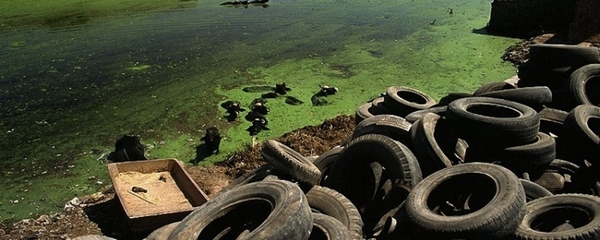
<point x="171" y="193"/>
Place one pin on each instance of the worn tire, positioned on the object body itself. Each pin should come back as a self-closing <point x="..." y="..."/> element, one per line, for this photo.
<point x="400" y="163"/>
<point x="584" y="84"/>
<point x="287" y="160"/>
<point x="428" y="150"/>
<point x="326" y="160"/>
<point x="392" y="126"/>
<point x="552" y="120"/>
<point x="536" y="155"/>
<point x="562" y="55"/>
<point x="533" y="190"/>
<point x="491" y="122"/>
<point x="268" y="209"/>
<point x="534" y="97"/>
<point x="365" y="111"/>
<point x="330" y="202"/>
<point x="531" y="75"/>
<point x="370" y="109"/>
<point x="416" y="115"/>
<point x="499" y="203"/>
<point x="545" y="216"/>
<point x="255" y="175"/>
<point x="163" y="232"/>
<point x="328" y="228"/>
<point x="581" y="131"/>
<point x="492" y="87"/>
<point x="404" y="100"/>
<point x="450" y="97"/>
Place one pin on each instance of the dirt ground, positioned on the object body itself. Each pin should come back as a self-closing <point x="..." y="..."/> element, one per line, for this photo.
<point x="101" y="213"/>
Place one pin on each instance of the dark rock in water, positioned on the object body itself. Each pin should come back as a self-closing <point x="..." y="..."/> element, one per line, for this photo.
<point x="243" y="2"/>
<point x="260" y="108"/>
<point x="293" y="101"/>
<point x="254" y="115"/>
<point x="254" y="89"/>
<point x="127" y="148"/>
<point x="281" y="88"/>
<point x="317" y="100"/>
<point x="375" y="53"/>
<point x="258" y="100"/>
<point x="258" y="124"/>
<point x="269" y="95"/>
<point x="326" y="91"/>
<point x="233" y="109"/>
<point x="212" y="139"/>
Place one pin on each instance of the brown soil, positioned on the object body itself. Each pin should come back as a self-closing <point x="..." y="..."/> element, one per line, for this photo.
<point x="102" y="214"/>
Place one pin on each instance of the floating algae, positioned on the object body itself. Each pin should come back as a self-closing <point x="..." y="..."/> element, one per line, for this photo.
<point x="140" y="67"/>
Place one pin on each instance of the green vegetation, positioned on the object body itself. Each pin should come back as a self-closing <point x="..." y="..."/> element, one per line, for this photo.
<point x="75" y="80"/>
<point x="68" y="13"/>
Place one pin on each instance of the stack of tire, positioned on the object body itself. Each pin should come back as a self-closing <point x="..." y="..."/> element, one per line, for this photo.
<point x="503" y="162"/>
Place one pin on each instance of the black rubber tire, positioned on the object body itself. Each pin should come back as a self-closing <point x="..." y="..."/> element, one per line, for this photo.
<point x="546" y="214"/>
<point x="326" y="160"/>
<point x="332" y="203"/>
<point x="580" y="137"/>
<point x="499" y="203"/>
<point x="387" y="203"/>
<point x="535" y="97"/>
<point x="531" y="75"/>
<point x="403" y="100"/>
<point x="379" y="104"/>
<point x="427" y="149"/>
<point x="163" y="232"/>
<point x="533" y="190"/>
<point x="584" y="85"/>
<point x="400" y="163"/>
<point x="533" y="156"/>
<point x="328" y="228"/>
<point x="268" y="209"/>
<point x="256" y="175"/>
<point x="492" y="87"/>
<point x="450" y="97"/>
<point x="561" y="55"/>
<point x="365" y="111"/>
<point x="416" y="115"/>
<point x="368" y="110"/>
<point x="288" y="161"/>
<point x="392" y="126"/>
<point x="493" y="123"/>
<point x="551" y="121"/>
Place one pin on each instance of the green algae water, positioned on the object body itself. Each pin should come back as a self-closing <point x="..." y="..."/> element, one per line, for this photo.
<point x="75" y="75"/>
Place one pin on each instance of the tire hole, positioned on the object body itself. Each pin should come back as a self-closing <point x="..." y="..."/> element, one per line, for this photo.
<point x="412" y="97"/>
<point x="493" y="111"/>
<point x="592" y="88"/>
<point x="462" y="194"/>
<point x="237" y="218"/>
<point x="559" y="215"/>
<point x="594" y="125"/>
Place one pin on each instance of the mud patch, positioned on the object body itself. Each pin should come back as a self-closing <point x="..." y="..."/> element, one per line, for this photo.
<point x="340" y="71"/>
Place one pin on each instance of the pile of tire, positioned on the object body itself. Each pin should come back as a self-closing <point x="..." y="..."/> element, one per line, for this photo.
<point x="503" y="162"/>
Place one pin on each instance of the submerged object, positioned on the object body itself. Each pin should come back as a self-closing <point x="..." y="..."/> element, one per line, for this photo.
<point x="293" y="101"/>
